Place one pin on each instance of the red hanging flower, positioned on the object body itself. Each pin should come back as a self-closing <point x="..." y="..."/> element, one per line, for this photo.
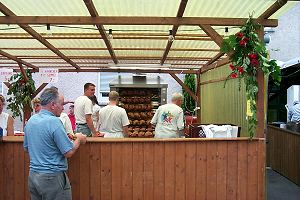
<point x="239" y="35"/>
<point x="242" y="43"/>
<point x="246" y="39"/>
<point x="241" y="70"/>
<point x="232" y="67"/>
<point x="254" y="62"/>
<point x="233" y="75"/>
<point x="252" y="56"/>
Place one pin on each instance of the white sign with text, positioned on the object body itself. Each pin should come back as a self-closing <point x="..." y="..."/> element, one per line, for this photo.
<point x="5" y="74"/>
<point x="48" y="75"/>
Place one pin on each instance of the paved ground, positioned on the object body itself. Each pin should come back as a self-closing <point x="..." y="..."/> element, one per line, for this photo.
<point x="280" y="188"/>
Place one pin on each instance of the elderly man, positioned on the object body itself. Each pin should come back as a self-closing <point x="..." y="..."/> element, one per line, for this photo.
<point x="48" y="146"/>
<point x="168" y="119"/>
<point x="83" y="109"/>
<point x="113" y="119"/>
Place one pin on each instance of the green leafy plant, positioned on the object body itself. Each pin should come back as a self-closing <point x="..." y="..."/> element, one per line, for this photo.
<point x="20" y="92"/>
<point x="248" y="54"/>
<point x="188" y="101"/>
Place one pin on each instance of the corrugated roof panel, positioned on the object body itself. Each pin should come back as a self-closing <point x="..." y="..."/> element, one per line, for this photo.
<point x="195" y="44"/>
<point x="65" y="29"/>
<point x="84" y="43"/>
<point x="138" y="43"/>
<point x="20" y="43"/>
<point x="47" y="7"/>
<point x="192" y="54"/>
<point x="139" y="53"/>
<point x="11" y="28"/>
<point x="226" y="8"/>
<point x="30" y="52"/>
<point x="85" y="52"/>
<point x="166" y="8"/>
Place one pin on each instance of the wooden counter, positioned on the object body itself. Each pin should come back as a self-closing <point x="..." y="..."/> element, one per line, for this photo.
<point x="150" y="169"/>
<point x="283" y="150"/>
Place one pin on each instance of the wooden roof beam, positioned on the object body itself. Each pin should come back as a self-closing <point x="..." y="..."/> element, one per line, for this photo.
<point x="37" y="36"/>
<point x="18" y="60"/>
<point x="272" y="9"/>
<point x="179" y="15"/>
<point x="184" y="87"/>
<point x="90" y="6"/>
<point x="132" y="20"/>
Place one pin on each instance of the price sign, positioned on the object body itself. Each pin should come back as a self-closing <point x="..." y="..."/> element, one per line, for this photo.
<point x="48" y="75"/>
<point x="5" y="74"/>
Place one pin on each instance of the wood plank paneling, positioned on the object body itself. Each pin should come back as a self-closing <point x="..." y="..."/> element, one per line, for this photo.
<point x="148" y="169"/>
<point x="95" y="163"/>
<point x="232" y="165"/>
<point x="180" y="171"/>
<point x="127" y="171"/>
<point x="190" y="177"/>
<point x="138" y="171"/>
<point x="242" y="173"/>
<point x="201" y="171"/>
<point x="283" y="149"/>
<point x="211" y="179"/>
<point x="159" y="170"/>
<point x="169" y="171"/>
<point x="116" y="175"/>
<point x="105" y="170"/>
<point x="221" y="170"/>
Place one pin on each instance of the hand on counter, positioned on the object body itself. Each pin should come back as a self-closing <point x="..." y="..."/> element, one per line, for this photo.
<point x="81" y="137"/>
<point x="98" y="134"/>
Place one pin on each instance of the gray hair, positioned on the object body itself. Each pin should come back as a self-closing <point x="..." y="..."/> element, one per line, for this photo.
<point x="177" y="96"/>
<point x="49" y="95"/>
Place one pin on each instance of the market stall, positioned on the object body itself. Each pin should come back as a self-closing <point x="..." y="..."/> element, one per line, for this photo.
<point x="145" y="168"/>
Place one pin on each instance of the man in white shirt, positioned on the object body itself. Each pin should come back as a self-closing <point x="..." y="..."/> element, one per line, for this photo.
<point x="83" y="109"/>
<point x="168" y="119"/>
<point x="113" y="119"/>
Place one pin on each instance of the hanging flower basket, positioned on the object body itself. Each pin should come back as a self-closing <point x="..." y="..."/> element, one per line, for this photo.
<point x="248" y="54"/>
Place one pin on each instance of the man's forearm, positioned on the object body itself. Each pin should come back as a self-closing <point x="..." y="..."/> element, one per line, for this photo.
<point x="90" y="124"/>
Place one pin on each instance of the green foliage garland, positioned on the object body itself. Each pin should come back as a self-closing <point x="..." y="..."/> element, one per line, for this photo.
<point x="188" y="101"/>
<point x="20" y="92"/>
<point x="248" y="54"/>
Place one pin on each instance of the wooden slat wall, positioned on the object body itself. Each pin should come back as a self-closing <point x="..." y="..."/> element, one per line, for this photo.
<point x="199" y="169"/>
<point x="283" y="152"/>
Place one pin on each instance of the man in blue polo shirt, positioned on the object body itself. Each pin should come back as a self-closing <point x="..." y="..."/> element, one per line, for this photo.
<point x="48" y="146"/>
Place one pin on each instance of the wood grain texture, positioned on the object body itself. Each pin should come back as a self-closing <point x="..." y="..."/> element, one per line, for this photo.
<point x="203" y="169"/>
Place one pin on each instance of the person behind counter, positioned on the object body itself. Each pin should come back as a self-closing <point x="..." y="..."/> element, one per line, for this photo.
<point x="6" y="121"/>
<point x="36" y="104"/>
<point x="83" y="109"/>
<point x="294" y="112"/>
<point x="113" y="119"/>
<point x="96" y="109"/>
<point x="72" y="117"/>
<point x="49" y="147"/>
<point x="168" y="119"/>
<point x="294" y="117"/>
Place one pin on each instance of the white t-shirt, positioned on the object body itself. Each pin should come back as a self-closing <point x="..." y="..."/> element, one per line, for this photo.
<point x="168" y="119"/>
<point x="95" y="115"/>
<point x="3" y="122"/>
<point x="66" y="122"/>
<point x="112" y="120"/>
<point x="82" y="106"/>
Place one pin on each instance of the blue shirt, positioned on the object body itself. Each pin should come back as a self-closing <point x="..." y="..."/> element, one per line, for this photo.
<point x="46" y="141"/>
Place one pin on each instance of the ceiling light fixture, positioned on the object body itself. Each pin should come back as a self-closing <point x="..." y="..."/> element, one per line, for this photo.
<point x="110" y="36"/>
<point x="171" y="37"/>
<point x="226" y="31"/>
<point x="49" y="32"/>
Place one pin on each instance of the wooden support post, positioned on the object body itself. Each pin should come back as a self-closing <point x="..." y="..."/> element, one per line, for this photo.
<point x="198" y="93"/>
<point x="27" y="108"/>
<point x="260" y="103"/>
